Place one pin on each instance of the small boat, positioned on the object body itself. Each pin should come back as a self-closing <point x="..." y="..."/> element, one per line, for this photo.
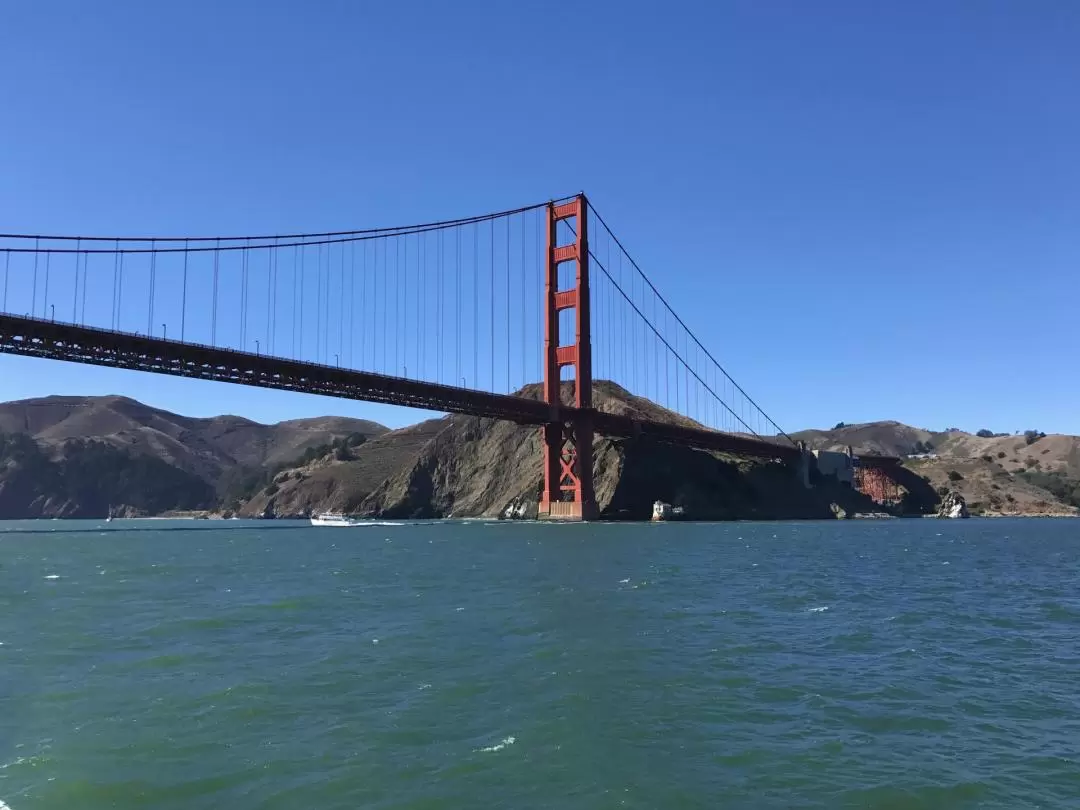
<point x="332" y="519"/>
<point x="665" y="511"/>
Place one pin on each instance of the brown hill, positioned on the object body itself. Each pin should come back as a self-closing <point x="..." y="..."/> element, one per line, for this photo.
<point x="1009" y="474"/>
<point x="81" y="456"/>
<point x="205" y="448"/>
<point x="467" y="467"/>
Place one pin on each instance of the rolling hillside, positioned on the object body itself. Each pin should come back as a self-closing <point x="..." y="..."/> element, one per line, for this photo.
<point x="51" y="446"/>
<point x="1002" y="474"/>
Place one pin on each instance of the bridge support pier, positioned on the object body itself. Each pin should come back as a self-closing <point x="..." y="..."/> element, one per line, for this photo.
<point x="803" y="465"/>
<point x="568" y="452"/>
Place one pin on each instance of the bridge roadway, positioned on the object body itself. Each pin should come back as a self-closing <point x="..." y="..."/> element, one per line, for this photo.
<point x="34" y="337"/>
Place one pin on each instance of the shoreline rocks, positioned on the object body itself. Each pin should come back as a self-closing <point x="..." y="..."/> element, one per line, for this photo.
<point x="953" y="506"/>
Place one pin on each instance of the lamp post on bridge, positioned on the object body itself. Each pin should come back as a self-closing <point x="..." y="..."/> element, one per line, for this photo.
<point x="256" y="346"/>
<point x="52" y="307"/>
<point x="164" y="336"/>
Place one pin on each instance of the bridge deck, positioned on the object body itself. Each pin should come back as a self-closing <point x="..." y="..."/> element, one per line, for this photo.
<point x="35" y="337"/>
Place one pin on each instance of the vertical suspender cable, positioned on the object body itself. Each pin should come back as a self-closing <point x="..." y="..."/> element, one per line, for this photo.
<point x="341" y="307"/>
<point x="318" y="307"/>
<point x="421" y="275"/>
<point x="295" y="267"/>
<point x="33" y="295"/>
<point x="213" y="310"/>
<point x="85" y="285"/>
<point x="397" y="301"/>
<point x="303" y="278"/>
<point x="656" y="354"/>
<point x="687" y="339"/>
<point x="273" y="331"/>
<point x="439" y="347"/>
<point x="352" y="304"/>
<point x="374" y="301"/>
<point x="508" y="389"/>
<point x="386" y="296"/>
<point x="521" y="292"/>
<point x="270" y="254"/>
<point x="614" y="306"/>
<point x="244" y="259"/>
<point x="363" y="298"/>
<point x="457" y="299"/>
<point x="153" y="285"/>
<point x="45" y="307"/>
<point x="116" y="268"/>
<point x="7" y="272"/>
<point x="476" y="306"/>
<point x="153" y="279"/>
<point x="120" y="291"/>
<point x="75" y="300"/>
<point x="183" y="296"/>
<point x="326" y="306"/>
<point x="419" y="319"/>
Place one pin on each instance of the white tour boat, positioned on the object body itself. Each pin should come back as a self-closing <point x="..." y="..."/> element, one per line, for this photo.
<point x="332" y="519"/>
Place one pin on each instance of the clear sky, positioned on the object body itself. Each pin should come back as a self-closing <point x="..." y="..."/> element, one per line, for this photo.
<point x="866" y="210"/>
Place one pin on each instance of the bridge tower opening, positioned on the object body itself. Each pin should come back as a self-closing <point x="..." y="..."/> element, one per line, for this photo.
<point x="568" y="452"/>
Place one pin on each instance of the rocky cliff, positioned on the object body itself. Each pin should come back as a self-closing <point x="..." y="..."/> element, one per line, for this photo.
<point x="467" y="467"/>
<point x="1029" y="473"/>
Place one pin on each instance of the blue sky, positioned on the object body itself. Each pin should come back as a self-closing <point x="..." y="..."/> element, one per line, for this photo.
<point x="865" y="210"/>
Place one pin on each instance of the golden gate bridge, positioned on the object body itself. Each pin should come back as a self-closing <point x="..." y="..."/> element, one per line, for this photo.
<point x="456" y="316"/>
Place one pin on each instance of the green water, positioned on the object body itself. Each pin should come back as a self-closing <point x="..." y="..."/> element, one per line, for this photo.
<point x="903" y="664"/>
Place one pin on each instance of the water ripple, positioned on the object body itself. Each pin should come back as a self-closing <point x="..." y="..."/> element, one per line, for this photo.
<point x="746" y="666"/>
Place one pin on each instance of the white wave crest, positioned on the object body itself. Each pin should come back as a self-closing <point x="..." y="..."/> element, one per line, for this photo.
<point x="485" y="750"/>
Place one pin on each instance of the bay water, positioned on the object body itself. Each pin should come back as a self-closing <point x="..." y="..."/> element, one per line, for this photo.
<point x="862" y="664"/>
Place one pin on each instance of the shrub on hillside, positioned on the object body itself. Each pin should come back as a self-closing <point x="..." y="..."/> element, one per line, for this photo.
<point x="955" y="476"/>
<point x="1057" y="483"/>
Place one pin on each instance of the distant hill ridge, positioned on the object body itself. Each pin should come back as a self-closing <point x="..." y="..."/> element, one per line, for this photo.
<point x="77" y="456"/>
<point x="205" y="447"/>
<point x="206" y="452"/>
<point x="1032" y="473"/>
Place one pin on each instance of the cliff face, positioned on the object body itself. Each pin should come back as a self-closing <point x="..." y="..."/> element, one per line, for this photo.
<point x="471" y="467"/>
<point x="85" y="479"/>
<point x="1004" y="474"/>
